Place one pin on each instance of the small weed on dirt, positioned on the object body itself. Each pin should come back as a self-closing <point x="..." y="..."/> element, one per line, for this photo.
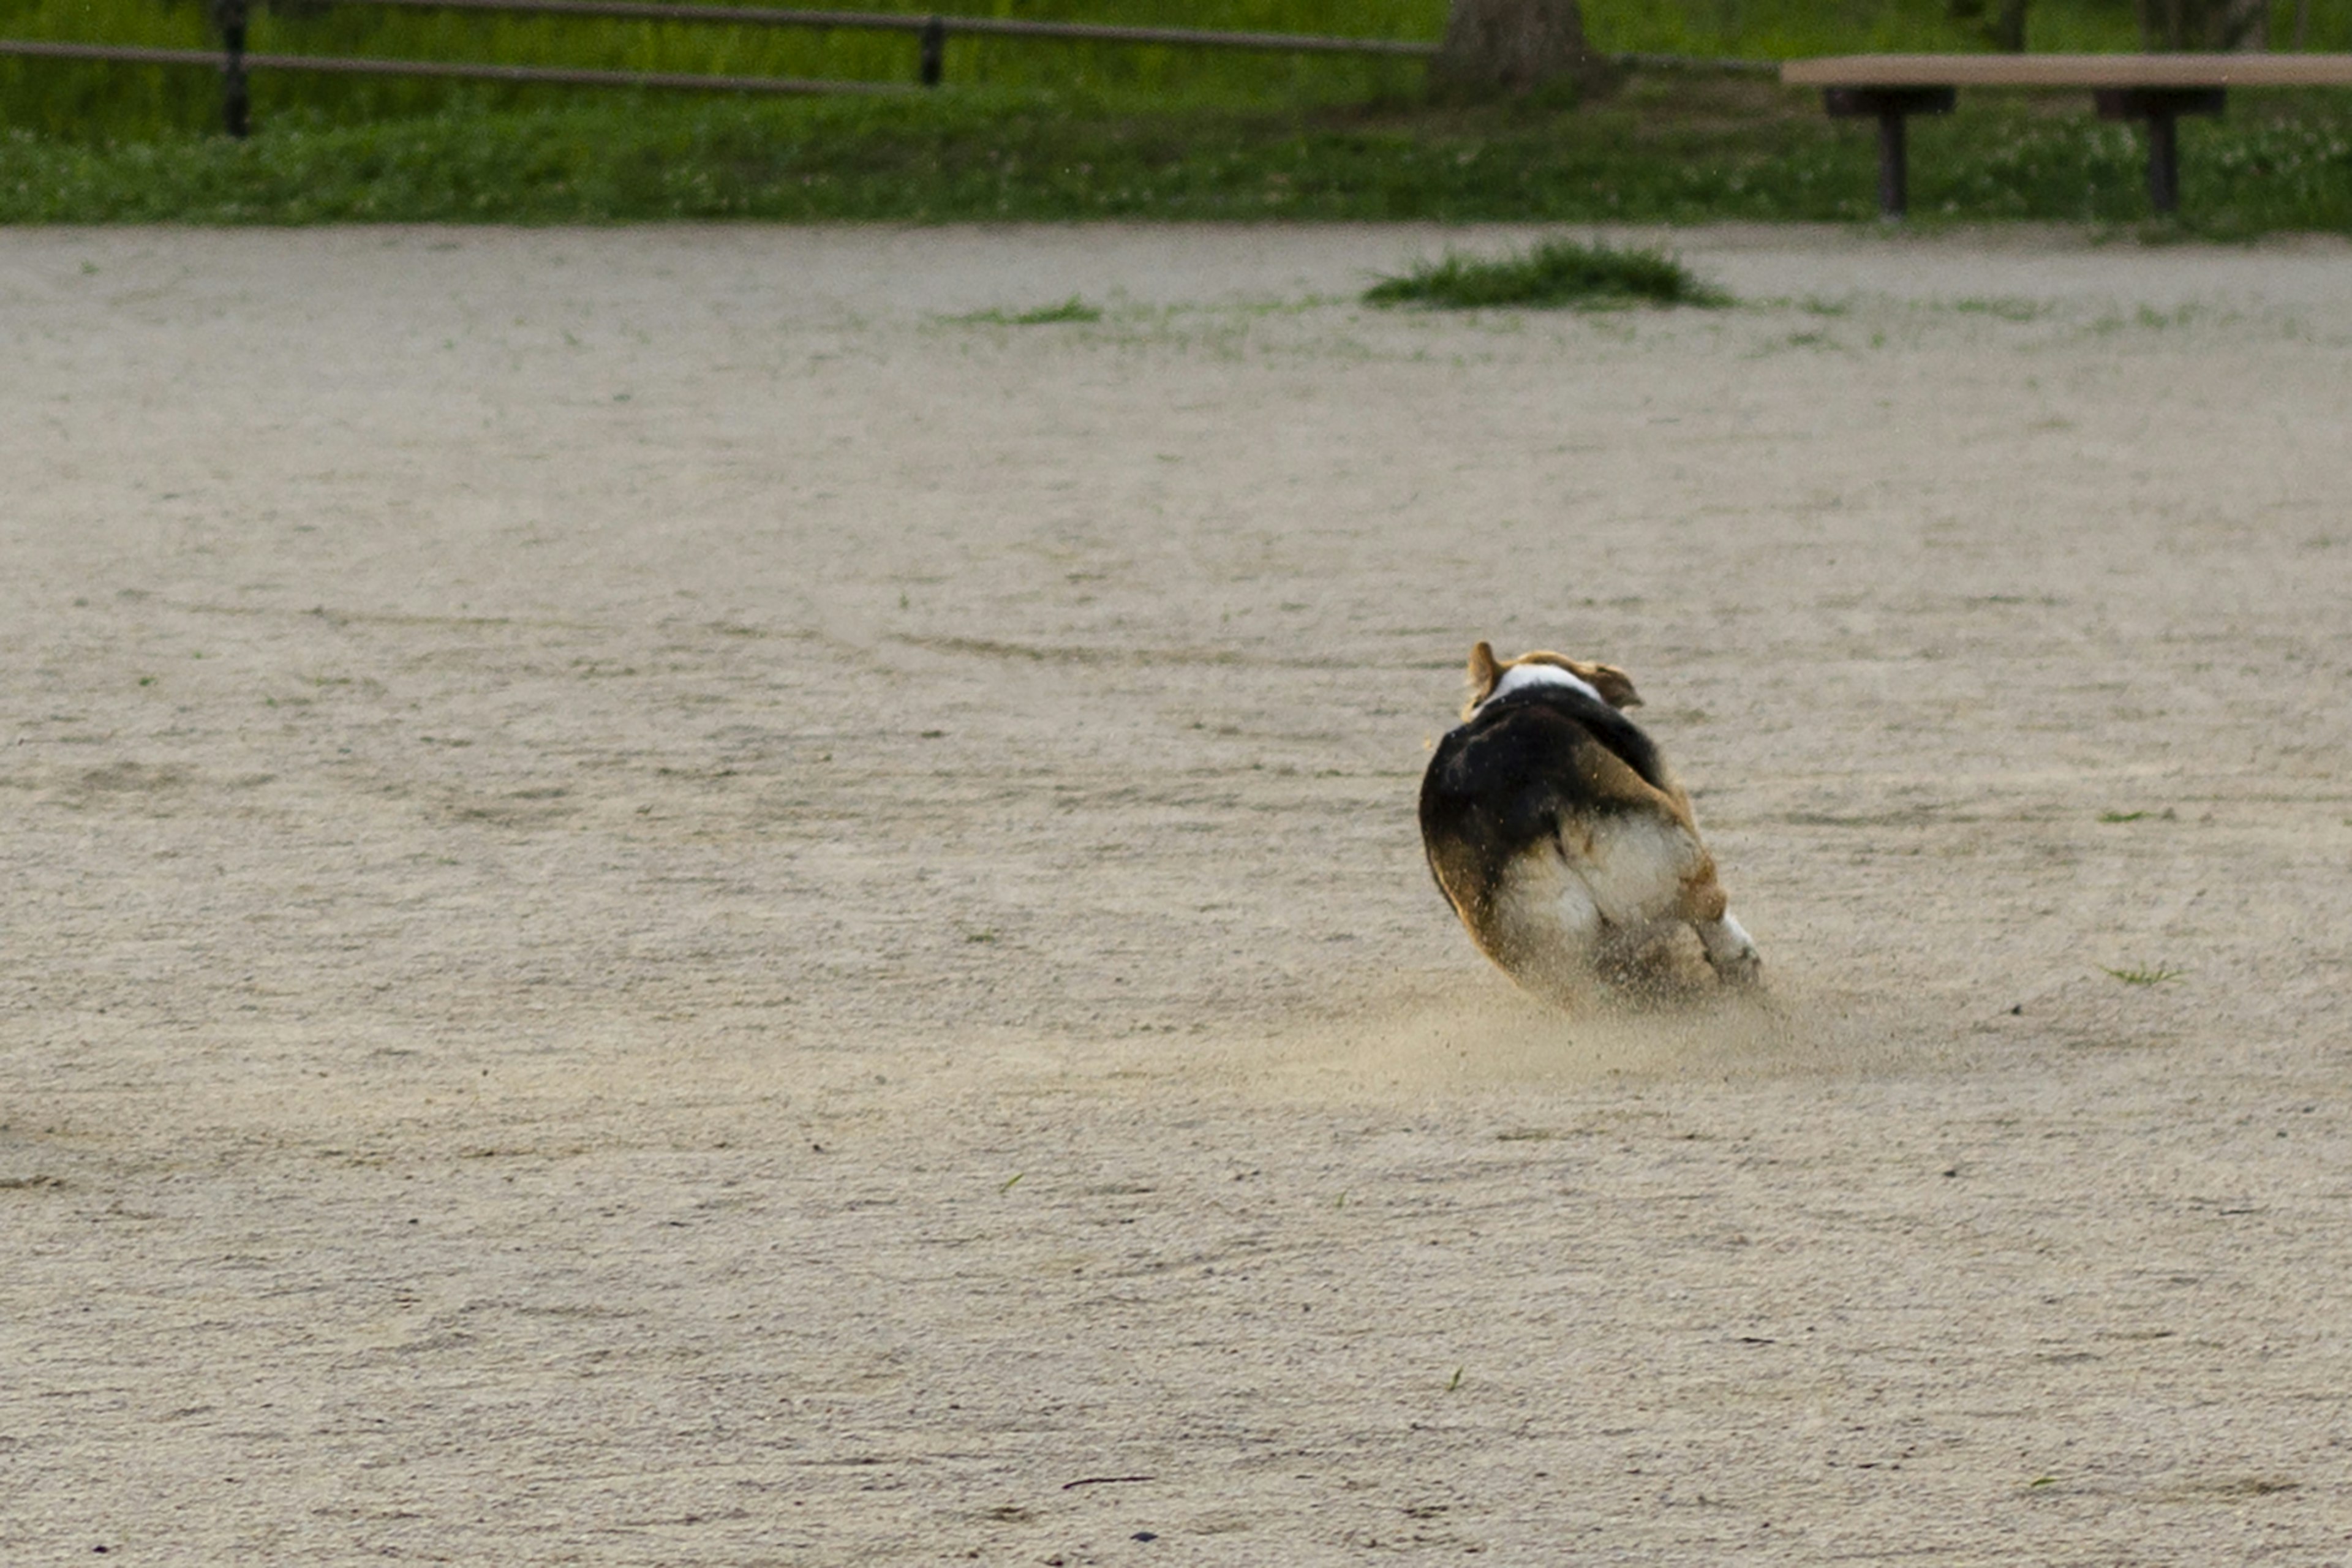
<point x="1555" y="274"/>
<point x="2006" y="310"/>
<point x="2156" y="976"/>
<point x="1070" y="310"/>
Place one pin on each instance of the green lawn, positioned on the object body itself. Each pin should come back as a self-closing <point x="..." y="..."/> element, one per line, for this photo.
<point x="107" y="102"/>
<point x="1665" y="151"/>
<point x="1054" y="131"/>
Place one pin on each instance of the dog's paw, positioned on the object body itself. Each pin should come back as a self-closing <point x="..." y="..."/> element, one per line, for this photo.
<point x="1745" y="967"/>
<point x="1732" y="951"/>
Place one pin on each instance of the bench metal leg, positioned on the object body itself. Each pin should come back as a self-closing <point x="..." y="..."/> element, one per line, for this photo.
<point x="2164" y="162"/>
<point x="1894" y="164"/>
<point x="1892" y="107"/>
<point x="2162" y="108"/>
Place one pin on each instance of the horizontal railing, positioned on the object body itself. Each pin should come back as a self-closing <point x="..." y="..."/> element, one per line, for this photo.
<point x="360" y="66"/>
<point x="931" y="33"/>
<point x="899" y="22"/>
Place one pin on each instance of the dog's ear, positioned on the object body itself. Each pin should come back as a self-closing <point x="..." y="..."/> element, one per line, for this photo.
<point x="1616" y="687"/>
<point x="1481" y="677"/>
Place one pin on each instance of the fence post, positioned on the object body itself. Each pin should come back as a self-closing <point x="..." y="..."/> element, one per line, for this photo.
<point x="934" y="64"/>
<point x="235" y="105"/>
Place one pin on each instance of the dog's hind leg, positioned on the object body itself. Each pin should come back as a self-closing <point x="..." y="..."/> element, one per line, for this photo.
<point x="1731" y="951"/>
<point x="1546" y="928"/>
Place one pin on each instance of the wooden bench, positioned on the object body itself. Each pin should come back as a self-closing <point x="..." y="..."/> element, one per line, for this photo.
<point x="2158" y="89"/>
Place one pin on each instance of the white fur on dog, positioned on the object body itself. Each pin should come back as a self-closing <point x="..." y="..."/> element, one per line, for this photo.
<point x="1728" y="945"/>
<point x="1520" y="677"/>
<point x="1558" y="907"/>
<point x="1547" y="917"/>
<point x="1635" y="867"/>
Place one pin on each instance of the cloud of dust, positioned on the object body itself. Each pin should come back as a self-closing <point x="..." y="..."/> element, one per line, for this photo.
<point x="1474" y="1035"/>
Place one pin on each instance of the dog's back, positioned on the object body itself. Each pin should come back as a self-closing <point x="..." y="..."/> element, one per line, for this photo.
<point x="1555" y="832"/>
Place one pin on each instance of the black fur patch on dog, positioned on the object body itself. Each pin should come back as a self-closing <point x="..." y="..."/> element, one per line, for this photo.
<point x="1503" y="782"/>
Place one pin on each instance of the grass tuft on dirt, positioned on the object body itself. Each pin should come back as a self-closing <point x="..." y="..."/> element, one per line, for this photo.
<point x="2158" y="974"/>
<point x="1070" y="310"/>
<point x="1557" y="274"/>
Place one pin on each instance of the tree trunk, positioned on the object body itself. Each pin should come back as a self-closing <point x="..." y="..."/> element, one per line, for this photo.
<point x="1495" y="49"/>
<point x="2215" y="25"/>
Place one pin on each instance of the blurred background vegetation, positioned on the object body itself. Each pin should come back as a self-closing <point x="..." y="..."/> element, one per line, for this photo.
<point x="1045" y="130"/>
<point x="114" y="102"/>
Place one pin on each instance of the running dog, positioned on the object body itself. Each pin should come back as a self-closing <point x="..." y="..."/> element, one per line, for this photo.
<point x="1555" y="832"/>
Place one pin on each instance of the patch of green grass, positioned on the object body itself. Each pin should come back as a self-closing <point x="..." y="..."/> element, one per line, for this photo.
<point x="2156" y="976"/>
<point x="1688" y="150"/>
<point x="1070" y="310"/>
<point x="2006" y="310"/>
<point x="1557" y="273"/>
<point x="99" y="103"/>
<point x="2121" y="815"/>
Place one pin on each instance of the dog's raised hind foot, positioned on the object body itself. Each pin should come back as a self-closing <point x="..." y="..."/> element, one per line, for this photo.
<point x="1731" y="951"/>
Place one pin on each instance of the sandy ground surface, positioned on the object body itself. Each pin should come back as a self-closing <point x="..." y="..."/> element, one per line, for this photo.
<point x="666" y="906"/>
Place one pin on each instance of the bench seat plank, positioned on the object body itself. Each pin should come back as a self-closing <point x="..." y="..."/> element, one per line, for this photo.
<point x="2070" y="70"/>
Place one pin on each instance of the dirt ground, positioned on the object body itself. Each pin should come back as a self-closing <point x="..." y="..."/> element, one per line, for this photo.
<point x="669" y="903"/>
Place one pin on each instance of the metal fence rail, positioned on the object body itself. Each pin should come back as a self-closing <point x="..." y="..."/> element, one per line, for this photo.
<point x="947" y="25"/>
<point x="359" y="66"/>
<point x="931" y="33"/>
